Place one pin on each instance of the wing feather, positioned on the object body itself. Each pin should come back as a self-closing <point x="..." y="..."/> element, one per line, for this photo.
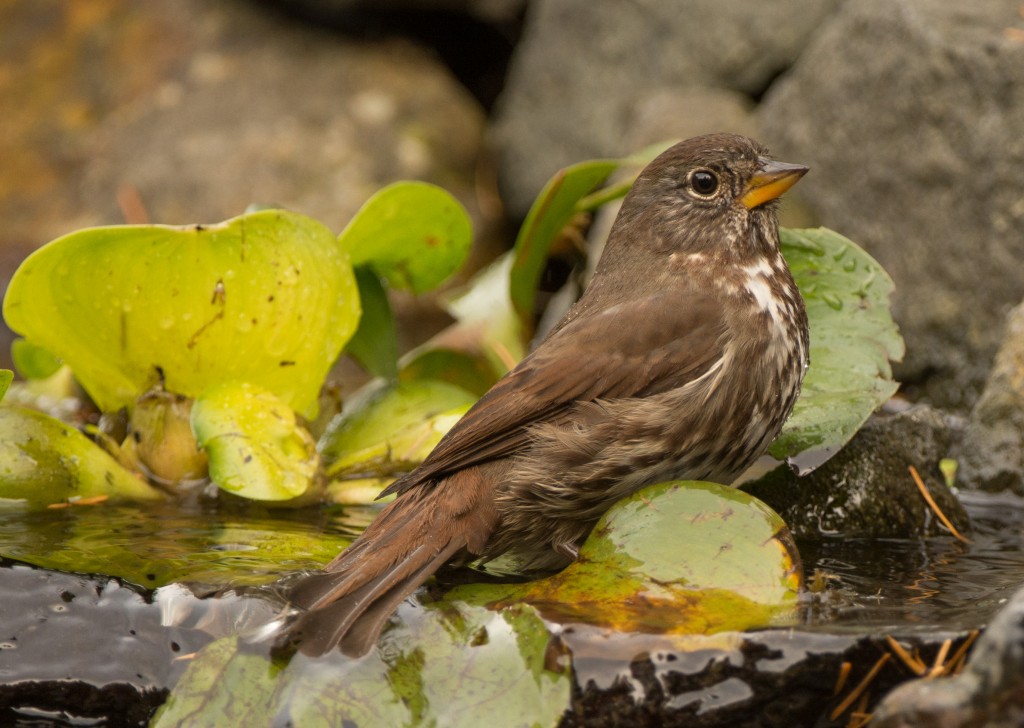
<point x="585" y="360"/>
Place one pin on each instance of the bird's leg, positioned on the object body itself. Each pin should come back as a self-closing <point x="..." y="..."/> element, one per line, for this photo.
<point x="567" y="549"/>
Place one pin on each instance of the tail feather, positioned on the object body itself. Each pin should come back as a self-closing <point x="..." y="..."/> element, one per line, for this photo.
<point x="349" y="603"/>
<point x="355" y="623"/>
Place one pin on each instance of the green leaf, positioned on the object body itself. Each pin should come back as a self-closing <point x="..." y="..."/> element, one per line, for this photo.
<point x="853" y="339"/>
<point x="386" y="429"/>
<point x="268" y="298"/>
<point x="375" y="343"/>
<point x="33" y="362"/>
<point x="413" y="234"/>
<point x="256" y="448"/>
<point x="467" y="371"/>
<point x="487" y="323"/>
<point x="674" y="558"/>
<point x="553" y="209"/>
<point x="45" y="462"/>
<point x="451" y="666"/>
<point x="6" y="377"/>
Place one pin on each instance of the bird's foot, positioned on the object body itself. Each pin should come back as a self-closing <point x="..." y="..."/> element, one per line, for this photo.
<point x="569" y="550"/>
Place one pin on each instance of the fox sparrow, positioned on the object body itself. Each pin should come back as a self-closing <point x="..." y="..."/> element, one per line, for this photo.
<point x="682" y="359"/>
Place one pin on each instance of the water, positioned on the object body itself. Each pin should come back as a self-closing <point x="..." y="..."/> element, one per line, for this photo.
<point x="935" y="584"/>
<point x="895" y="584"/>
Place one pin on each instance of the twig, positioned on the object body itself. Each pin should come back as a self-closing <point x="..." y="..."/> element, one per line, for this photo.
<point x="861" y="687"/>
<point x="914" y="664"/>
<point x="957" y="660"/>
<point x="939" y="667"/>
<point x="934" y="506"/>
<point x="844" y="673"/>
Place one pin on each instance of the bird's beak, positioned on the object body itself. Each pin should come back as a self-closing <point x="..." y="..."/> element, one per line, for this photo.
<point x="770" y="182"/>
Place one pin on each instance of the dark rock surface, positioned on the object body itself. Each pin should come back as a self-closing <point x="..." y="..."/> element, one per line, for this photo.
<point x="866" y="489"/>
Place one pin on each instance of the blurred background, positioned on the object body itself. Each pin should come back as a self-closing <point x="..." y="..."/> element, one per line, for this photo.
<point x="910" y="114"/>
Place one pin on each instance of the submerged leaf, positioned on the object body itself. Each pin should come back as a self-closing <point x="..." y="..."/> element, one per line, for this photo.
<point x="268" y="298"/>
<point x="451" y="666"/>
<point x="45" y="462"/>
<point x="853" y="339"/>
<point x="256" y="448"/>
<point x="413" y="234"/>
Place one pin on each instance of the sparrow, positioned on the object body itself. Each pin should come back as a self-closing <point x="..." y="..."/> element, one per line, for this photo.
<point x="681" y="360"/>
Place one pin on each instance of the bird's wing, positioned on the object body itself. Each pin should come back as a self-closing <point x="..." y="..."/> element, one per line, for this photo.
<point x="631" y="349"/>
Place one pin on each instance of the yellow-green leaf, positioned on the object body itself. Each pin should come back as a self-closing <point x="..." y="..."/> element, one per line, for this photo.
<point x="268" y="298"/>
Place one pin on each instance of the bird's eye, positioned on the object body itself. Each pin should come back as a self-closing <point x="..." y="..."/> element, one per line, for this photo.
<point x="704" y="182"/>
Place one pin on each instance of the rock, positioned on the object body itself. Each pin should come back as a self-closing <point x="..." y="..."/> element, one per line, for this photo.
<point x="911" y="117"/>
<point x="474" y="38"/>
<point x="586" y="70"/>
<point x="991" y="456"/>
<point x="866" y="489"/>
<point x="989" y="692"/>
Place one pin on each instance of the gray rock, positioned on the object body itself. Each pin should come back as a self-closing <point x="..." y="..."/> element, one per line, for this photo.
<point x="586" y="70"/>
<point x="911" y="116"/>
<point x="992" y="453"/>
<point x="989" y="692"/>
<point x="866" y="489"/>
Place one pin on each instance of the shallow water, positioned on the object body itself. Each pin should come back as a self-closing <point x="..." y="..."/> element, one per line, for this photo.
<point x="937" y="583"/>
<point x="56" y="624"/>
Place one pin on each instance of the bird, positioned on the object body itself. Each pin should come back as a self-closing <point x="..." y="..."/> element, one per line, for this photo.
<point x="681" y="360"/>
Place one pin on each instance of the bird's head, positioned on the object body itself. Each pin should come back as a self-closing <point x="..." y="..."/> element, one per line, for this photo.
<point x="713" y="193"/>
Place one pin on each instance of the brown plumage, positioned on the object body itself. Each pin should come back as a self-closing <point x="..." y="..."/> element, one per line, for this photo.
<point x="682" y="359"/>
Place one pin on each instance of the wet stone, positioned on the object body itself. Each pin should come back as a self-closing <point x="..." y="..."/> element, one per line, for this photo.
<point x="866" y="489"/>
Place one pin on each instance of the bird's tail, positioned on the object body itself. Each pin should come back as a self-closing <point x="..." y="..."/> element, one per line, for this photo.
<point x="349" y="603"/>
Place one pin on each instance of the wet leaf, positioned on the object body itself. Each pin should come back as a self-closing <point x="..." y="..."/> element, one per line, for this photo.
<point x="375" y="343"/>
<point x="267" y="298"/>
<point x="45" y="462"/>
<point x="256" y="448"/>
<point x="675" y="558"/>
<point x="385" y="429"/>
<point x="6" y="377"/>
<point x="163" y="543"/>
<point x="413" y="234"/>
<point x="853" y="339"/>
<point x="453" y="666"/>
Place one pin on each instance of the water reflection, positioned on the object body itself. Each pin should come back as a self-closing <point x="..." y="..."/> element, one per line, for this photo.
<point x="936" y="583"/>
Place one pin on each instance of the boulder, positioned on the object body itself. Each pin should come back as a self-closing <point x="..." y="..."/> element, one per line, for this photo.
<point x="911" y="117"/>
